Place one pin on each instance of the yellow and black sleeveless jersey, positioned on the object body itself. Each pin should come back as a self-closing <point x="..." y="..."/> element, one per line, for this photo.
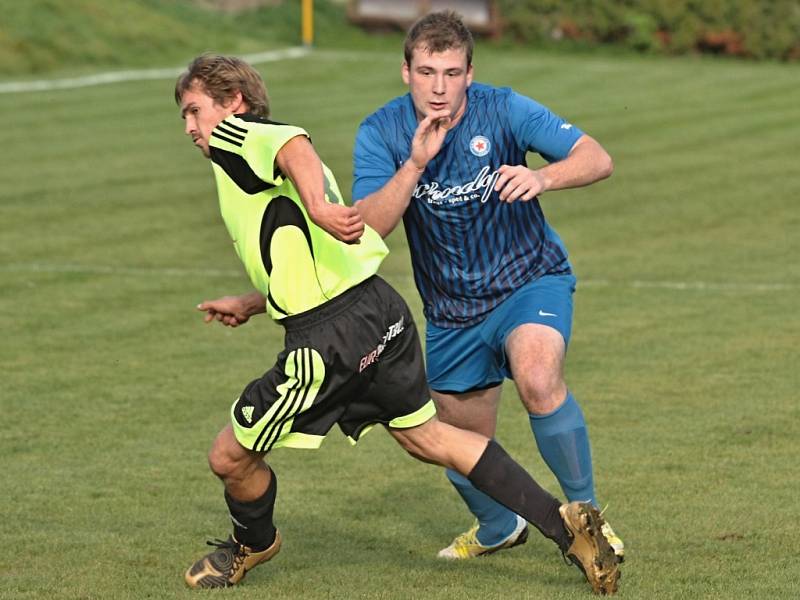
<point x="293" y="262"/>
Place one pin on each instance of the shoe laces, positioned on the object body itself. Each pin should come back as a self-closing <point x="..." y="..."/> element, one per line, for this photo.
<point x="566" y="559"/>
<point x="231" y="547"/>
<point x="468" y="537"/>
<point x="606" y="529"/>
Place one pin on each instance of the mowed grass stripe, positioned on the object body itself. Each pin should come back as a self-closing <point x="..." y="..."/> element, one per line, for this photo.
<point x="156" y="272"/>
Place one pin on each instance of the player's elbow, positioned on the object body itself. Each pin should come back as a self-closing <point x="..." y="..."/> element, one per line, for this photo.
<point x="605" y="165"/>
<point x="595" y="161"/>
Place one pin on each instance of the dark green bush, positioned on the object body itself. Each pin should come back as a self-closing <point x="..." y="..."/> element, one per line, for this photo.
<point x="749" y="28"/>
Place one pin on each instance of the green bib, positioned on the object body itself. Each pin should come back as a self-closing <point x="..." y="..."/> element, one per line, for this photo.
<point x="293" y="262"/>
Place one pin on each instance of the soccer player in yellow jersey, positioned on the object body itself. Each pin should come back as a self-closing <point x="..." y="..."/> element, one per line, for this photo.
<point x="352" y="355"/>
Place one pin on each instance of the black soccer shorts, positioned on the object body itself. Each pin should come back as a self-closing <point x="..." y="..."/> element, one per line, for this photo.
<point x="355" y="360"/>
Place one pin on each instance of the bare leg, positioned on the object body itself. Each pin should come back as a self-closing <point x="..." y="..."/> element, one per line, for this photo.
<point x="536" y="353"/>
<point x="490" y="470"/>
<point x="243" y="472"/>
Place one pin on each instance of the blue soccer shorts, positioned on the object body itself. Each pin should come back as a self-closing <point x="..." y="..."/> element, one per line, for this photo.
<point x="474" y="358"/>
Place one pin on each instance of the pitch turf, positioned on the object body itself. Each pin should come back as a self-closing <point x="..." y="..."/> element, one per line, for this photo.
<point x="684" y="353"/>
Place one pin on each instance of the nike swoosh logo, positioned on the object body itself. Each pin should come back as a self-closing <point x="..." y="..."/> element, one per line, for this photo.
<point x="546" y="314"/>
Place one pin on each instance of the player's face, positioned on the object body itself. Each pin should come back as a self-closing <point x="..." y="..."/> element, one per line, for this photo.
<point x="438" y="81"/>
<point x="201" y="114"/>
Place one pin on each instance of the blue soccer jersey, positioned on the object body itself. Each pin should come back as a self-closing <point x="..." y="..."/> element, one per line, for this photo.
<point x="469" y="250"/>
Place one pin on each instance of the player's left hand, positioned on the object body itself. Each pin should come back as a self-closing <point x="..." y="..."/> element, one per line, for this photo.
<point x="518" y="183"/>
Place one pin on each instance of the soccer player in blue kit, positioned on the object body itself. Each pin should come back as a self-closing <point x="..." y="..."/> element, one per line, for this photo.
<point x="449" y="159"/>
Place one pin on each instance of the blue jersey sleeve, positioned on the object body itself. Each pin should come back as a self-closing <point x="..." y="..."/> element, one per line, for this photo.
<point x="537" y="129"/>
<point x="373" y="164"/>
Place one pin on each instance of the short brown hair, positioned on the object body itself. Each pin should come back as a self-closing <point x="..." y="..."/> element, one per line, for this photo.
<point x="437" y="32"/>
<point x="221" y="77"/>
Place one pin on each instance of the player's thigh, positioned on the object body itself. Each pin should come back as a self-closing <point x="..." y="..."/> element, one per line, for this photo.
<point x="460" y="360"/>
<point x="536" y="357"/>
<point x="474" y="411"/>
<point x="442" y="444"/>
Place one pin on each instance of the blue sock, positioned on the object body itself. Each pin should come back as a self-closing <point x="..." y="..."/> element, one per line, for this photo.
<point x="496" y="521"/>
<point x="564" y="445"/>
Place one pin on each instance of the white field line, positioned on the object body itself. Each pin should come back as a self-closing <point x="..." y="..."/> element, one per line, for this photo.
<point x="45" y="85"/>
<point x="701" y="286"/>
<point x="119" y="271"/>
<point x="691" y="285"/>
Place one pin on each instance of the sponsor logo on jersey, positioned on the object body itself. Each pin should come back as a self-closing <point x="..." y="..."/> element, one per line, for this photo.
<point x="480" y="188"/>
<point x="480" y="145"/>
<point x="391" y="333"/>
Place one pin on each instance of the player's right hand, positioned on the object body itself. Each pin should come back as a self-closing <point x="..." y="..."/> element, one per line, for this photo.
<point x="229" y="310"/>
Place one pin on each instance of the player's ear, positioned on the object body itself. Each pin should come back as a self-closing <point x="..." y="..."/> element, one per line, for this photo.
<point x="469" y="75"/>
<point x="236" y="103"/>
<point x="405" y="71"/>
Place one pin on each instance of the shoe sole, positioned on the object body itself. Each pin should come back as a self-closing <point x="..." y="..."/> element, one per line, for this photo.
<point x="605" y="576"/>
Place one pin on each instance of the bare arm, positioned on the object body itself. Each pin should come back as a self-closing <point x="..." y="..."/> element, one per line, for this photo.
<point x="300" y="163"/>
<point x="586" y="163"/>
<point x="233" y="310"/>
<point x="382" y="210"/>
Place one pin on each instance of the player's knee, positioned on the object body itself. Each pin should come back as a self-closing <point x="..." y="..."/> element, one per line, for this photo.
<point x="542" y="394"/>
<point x="223" y="463"/>
<point x="423" y="443"/>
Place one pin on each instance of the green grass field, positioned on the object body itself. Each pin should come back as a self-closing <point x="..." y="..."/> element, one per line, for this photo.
<point x="684" y="353"/>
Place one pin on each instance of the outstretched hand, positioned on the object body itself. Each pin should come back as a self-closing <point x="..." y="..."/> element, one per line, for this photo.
<point x="428" y="138"/>
<point x="229" y="310"/>
<point x="342" y="222"/>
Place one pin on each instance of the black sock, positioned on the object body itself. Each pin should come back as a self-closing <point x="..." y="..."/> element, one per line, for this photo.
<point x="252" y="521"/>
<point x="498" y="475"/>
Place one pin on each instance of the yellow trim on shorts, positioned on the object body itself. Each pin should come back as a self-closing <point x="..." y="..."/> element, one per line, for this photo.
<point x="353" y="441"/>
<point x="303" y="441"/>
<point x="418" y="417"/>
<point x="276" y="424"/>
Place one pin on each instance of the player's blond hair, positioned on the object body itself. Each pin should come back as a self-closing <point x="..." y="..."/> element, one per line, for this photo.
<point x="437" y="32"/>
<point x="221" y="77"/>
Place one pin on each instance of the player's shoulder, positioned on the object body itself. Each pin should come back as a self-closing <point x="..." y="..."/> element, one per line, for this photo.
<point x="254" y="130"/>
<point x="483" y="98"/>
<point x="250" y="122"/>
<point x="393" y="111"/>
<point x="483" y="91"/>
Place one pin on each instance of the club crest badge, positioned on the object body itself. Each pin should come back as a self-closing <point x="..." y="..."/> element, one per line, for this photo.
<point x="480" y="145"/>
